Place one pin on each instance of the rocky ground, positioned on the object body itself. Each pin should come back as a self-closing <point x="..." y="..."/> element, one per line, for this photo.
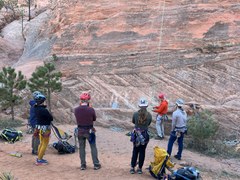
<point x="114" y="153"/>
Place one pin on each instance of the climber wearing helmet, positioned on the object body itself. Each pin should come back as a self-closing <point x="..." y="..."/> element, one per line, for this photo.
<point x="44" y="119"/>
<point x="140" y="137"/>
<point x="32" y="123"/>
<point x="85" y="117"/>
<point x="32" y="118"/>
<point x="179" y="128"/>
<point x="161" y="111"/>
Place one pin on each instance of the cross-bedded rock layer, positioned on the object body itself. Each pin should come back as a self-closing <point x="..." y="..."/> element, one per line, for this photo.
<point x="122" y="50"/>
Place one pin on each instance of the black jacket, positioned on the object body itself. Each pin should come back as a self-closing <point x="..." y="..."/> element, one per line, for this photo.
<point x="42" y="115"/>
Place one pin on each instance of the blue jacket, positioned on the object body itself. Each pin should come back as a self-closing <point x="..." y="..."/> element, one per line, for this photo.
<point x="32" y="117"/>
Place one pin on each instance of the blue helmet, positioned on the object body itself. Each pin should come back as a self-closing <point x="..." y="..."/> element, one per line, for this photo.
<point x="35" y="93"/>
<point x="40" y="98"/>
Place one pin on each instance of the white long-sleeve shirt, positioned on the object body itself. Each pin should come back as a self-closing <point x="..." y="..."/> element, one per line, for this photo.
<point x="179" y="120"/>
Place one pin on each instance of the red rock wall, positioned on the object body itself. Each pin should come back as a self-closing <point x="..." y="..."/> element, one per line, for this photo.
<point x="122" y="50"/>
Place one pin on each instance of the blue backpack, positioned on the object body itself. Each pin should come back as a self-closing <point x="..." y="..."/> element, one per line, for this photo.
<point x="186" y="173"/>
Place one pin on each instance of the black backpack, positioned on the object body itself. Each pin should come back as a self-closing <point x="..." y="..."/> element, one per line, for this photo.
<point x="11" y="135"/>
<point x="63" y="147"/>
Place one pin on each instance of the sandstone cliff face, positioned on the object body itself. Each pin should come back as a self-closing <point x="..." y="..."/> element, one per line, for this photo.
<point x="122" y="50"/>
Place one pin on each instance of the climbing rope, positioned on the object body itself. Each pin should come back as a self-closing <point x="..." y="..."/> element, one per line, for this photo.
<point x="163" y="5"/>
<point x="158" y="47"/>
<point x="161" y="31"/>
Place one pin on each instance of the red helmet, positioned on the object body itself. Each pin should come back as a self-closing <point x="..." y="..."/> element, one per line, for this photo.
<point x="161" y="96"/>
<point x="85" y="96"/>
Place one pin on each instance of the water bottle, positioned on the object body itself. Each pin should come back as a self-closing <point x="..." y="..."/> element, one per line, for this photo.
<point x="16" y="154"/>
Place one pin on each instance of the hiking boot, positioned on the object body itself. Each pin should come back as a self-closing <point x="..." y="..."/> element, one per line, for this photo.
<point x="159" y="138"/>
<point x="41" y="162"/>
<point x="97" y="166"/>
<point x="132" y="171"/>
<point x="177" y="157"/>
<point x="139" y="171"/>
<point x="45" y="160"/>
<point x="83" y="167"/>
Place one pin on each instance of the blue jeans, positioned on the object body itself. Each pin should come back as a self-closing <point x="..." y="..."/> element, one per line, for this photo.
<point x="171" y="141"/>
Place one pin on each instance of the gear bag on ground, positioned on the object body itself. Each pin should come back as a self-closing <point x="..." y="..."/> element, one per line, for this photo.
<point x="186" y="173"/>
<point x="63" y="147"/>
<point x="11" y="135"/>
<point x="161" y="161"/>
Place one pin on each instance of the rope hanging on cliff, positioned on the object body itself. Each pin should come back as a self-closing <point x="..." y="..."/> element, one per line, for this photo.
<point x="159" y="45"/>
<point x="161" y="31"/>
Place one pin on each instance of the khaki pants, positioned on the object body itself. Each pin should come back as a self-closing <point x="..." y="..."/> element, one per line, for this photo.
<point x="160" y="126"/>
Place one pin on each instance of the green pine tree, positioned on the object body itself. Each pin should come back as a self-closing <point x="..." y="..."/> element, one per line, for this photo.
<point x="1" y="4"/>
<point x="13" y="6"/>
<point x="11" y="84"/>
<point x="46" y="80"/>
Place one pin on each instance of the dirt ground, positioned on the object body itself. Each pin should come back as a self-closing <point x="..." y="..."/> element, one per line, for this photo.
<point x="114" y="150"/>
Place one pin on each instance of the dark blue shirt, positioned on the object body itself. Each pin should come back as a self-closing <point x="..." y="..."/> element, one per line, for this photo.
<point x="32" y="116"/>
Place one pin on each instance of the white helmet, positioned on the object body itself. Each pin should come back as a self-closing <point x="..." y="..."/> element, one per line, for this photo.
<point x="143" y="102"/>
<point x="180" y="102"/>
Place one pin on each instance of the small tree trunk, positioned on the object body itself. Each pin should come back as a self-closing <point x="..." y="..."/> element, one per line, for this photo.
<point x="12" y="112"/>
<point x="49" y="101"/>
<point x="29" y="10"/>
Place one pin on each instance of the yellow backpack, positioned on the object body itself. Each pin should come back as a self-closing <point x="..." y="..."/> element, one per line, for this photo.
<point x="161" y="161"/>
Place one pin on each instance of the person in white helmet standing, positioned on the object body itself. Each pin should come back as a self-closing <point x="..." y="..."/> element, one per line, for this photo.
<point x="179" y="128"/>
<point x="140" y="137"/>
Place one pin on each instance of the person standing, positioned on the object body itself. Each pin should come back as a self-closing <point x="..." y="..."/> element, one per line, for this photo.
<point x="140" y="137"/>
<point x="85" y="116"/>
<point x="33" y="123"/>
<point x="44" y="119"/>
<point x="179" y="128"/>
<point x="161" y="111"/>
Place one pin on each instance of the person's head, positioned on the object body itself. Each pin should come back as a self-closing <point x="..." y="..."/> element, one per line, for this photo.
<point x="85" y="98"/>
<point x="143" y="103"/>
<point x="179" y="103"/>
<point x="35" y="93"/>
<point x="40" y="98"/>
<point x="161" y="96"/>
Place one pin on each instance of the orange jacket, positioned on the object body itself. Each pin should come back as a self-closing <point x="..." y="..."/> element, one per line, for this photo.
<point x="162" y="108"/>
